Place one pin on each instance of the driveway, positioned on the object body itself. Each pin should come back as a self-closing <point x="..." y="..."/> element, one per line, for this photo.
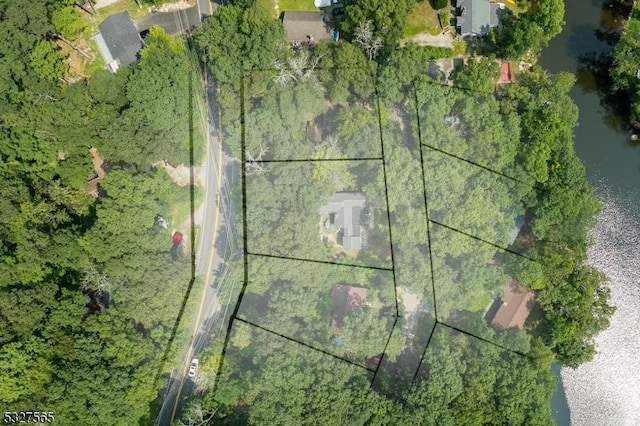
<point x="104" y="3"/>
<point x="173" y="22"/>
<point x="426" y="39"/>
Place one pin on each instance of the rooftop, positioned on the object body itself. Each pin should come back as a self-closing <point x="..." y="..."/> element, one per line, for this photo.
<point x="477" y="16"/>
<point x="304" y="26"/>
<point x="348" y="209"/>
<point x="118" y="40"/>
<point x="346" y="298"/>
<point x="516" y="306"/>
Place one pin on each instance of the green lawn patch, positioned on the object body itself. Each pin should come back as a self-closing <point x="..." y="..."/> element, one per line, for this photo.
<point x="480" y="303"/>
<point x="269" y="6"/>
<point x="97" y="63"/>
<point x="459" y="48"/>
<point x="296" y="5"/>
<point x="129" y="5"/>
<point x="423" y="19"/>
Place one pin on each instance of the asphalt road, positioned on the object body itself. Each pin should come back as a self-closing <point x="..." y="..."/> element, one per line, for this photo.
<point x="207" y="262"/>
<point x="174" y="22"/>
<point x="205" y="7"/>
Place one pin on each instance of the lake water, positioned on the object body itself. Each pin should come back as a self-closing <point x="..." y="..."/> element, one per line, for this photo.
<point x="605" y="391"/>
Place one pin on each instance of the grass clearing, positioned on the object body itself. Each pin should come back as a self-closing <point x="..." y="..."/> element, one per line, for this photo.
<point x="480" y="303"/>
<point x="181" y="211"/>
<point x="423" y="19"/>
<point x="296" y="5"/>
<point x="459" y="48"/>
<point x="269" y="6"/>
<point x="129" y="5"/>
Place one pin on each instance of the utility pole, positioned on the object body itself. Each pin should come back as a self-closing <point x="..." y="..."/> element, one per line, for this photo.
<point x="81" y="5"/>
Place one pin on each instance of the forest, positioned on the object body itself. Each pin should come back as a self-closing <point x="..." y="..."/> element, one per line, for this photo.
<point x="624" y="65"/>
<point x="92" y="290"/>
<point x="448" y="170"/>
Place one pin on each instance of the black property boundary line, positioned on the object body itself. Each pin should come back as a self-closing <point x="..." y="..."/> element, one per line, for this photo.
<point x="473" y="163"/>
<point x="324" y="262"/>
<point x="426" y="213"/>
<point x="386" y="199"/>
<point x="314" y="160"/>
<point x="234" y="316"/>
<point x="243" y="180"/>
<point x="192" y="246"/>
<point x="466" y="234"/>
<point x="424" y="179"/>
<point x="306" y="345"/>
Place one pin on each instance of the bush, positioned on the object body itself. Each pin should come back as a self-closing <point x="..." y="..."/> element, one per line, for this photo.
<point x="439" y="4"/>
<point x="443" y="17"/>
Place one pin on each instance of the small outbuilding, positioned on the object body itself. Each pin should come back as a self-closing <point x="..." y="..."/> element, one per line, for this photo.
<point x="505" y="72"/>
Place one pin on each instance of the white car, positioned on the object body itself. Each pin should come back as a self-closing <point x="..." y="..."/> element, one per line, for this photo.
<point x="193" y="367"/>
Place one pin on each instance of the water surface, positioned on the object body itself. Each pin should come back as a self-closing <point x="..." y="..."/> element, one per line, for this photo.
<point x="604" y="391"/>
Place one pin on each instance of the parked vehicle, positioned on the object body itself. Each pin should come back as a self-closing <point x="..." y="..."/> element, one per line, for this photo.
<point x="193" y="368"/>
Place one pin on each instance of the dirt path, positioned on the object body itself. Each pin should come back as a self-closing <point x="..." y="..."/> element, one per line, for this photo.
<point x="426" y="39"/>
<point x="104" y="3"/>
<point x="97" y="162"/>
<point x="410" y="301"/>
<point x="168" y="7"/>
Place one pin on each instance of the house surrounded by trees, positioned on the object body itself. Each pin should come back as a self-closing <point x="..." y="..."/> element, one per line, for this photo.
<point x="343" y="216"/>
<point x="476" y="17"/>
<point x="118" y="41"/>
<point x="515" y="308"/>
<point x="345" y="298"/>
<point x="306" y="26"/>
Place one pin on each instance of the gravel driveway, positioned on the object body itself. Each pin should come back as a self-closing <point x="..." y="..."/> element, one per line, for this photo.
<point x="426" y="39"/>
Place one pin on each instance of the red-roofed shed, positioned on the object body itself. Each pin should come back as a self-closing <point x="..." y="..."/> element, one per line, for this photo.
<point x="505" y="72"/>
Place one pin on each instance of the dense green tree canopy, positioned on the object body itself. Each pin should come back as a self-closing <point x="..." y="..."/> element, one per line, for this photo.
<point x="388" y="18"/>
<point x="83" y="281"/>
<point x="90" y="287"/>
<point x="624" y="69"/>
<point x="532" y="30"/>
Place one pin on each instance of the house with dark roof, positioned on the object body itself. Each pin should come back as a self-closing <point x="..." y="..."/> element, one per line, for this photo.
<point x="118" y="41"/>
<point x="515" y="308"/>
<point x="476" y="17"/>
<point x="345" y="299"/>
<point x="345" y="212"/>
<point x="306" y="26"/>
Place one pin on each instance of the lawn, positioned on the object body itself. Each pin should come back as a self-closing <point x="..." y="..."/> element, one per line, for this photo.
<point x="423" y="19"/>
<point x="129" y="5"/>
<point x="480" y="302"/>
<point x="296" y="5"/>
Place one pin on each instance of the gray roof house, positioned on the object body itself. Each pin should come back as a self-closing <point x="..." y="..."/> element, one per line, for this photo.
<point x="305" y="26"/>
<point x="118" y="41"/>
<point x="476" y="17"/>
<point x="346" y="212"/>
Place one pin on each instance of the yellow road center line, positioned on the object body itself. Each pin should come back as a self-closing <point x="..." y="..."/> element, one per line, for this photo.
<point x="208" y="274"/>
